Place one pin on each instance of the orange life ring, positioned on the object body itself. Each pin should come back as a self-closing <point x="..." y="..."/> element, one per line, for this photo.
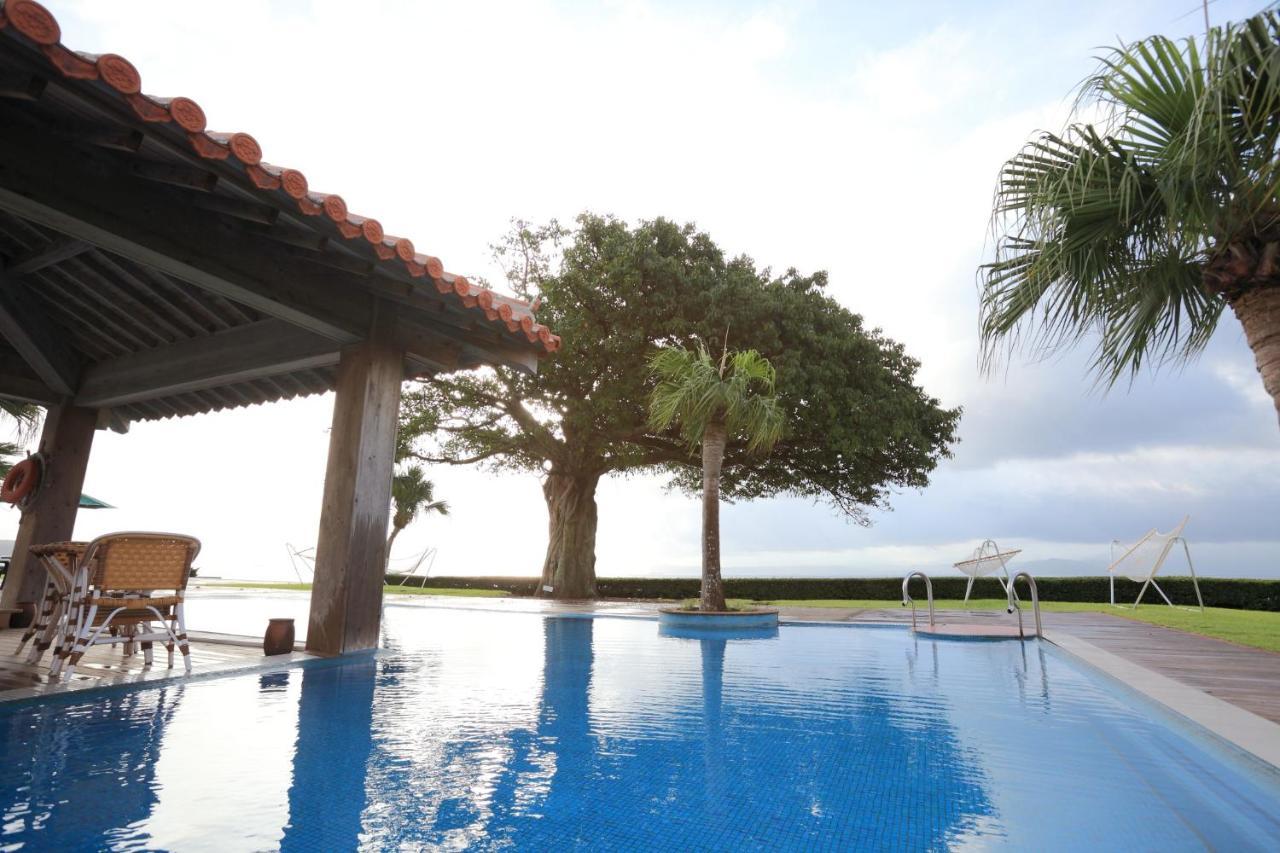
<point x="21" y="481"/>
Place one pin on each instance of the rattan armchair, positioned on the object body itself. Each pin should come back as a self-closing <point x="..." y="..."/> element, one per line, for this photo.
<point x="136" y="579"/>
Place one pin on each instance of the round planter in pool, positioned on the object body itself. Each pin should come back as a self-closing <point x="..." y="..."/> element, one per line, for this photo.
<point x="765" y="617"/>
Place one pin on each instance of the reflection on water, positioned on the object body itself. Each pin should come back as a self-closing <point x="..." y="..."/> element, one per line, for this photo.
<point x="327" y="795"/>
<point x="54" y="757"/>
<point x="480" y="730"/>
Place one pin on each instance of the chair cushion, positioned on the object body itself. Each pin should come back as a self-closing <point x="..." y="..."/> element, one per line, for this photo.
<point x="136" y="603"/>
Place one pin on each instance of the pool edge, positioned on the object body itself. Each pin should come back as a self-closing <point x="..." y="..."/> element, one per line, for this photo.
<point x="1241" y="728"/>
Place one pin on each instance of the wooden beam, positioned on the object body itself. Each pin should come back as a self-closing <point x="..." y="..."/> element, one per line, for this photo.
<point x="426" y="338"/>
<point x="435" y="317"/>
<point x="128" y="141"/>
<point x="46" y="256"/>
<point x="113" y="420"/>
<point x="346" y="596"/>
<point x="263" y="214"/>
<point x="20" y="86"/>
<point x="55" y="187"/>
<point x="115" y="138"/>
<point x="290" y="236"/>
<point x="40" y="344"/>
<point x="429" y="356"/>
<point x="18" y="383"/>
<point x="65" y="442"/>
<point x="334" y="260"/>
<point x="178" y="176"/>
<point x="266" y="348"/>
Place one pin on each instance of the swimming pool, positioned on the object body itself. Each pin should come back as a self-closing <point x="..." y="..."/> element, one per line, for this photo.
<point x="518" y="731"/>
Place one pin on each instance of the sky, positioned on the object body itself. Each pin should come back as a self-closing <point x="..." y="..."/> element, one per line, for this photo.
<point x="859" y="138"/>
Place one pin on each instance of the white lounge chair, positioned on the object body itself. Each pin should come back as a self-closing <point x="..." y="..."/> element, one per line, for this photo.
<point x="1141" y="561"/>
<point x="987" y="559"/>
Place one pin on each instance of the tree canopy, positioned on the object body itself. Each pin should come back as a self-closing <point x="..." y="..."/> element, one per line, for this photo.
<point x="857" y="424"/>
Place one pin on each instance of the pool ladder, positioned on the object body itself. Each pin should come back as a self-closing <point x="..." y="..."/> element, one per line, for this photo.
<point x="908" y="600"/>
<point x="1035" y="602"/>
<point x="1014" y="604"/>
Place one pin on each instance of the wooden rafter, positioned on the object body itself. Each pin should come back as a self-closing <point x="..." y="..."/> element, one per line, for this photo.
<point x="40" y="344"/>
<point x="59" y="250"/>
<point x="185" y="243"/>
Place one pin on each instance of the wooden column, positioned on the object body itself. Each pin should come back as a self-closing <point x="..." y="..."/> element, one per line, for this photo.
<point x="346" y="598"/>
<point x="51" y="517"/>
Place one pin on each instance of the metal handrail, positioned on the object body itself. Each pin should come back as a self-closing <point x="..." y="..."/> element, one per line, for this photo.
<point x="1035" y="602"/>
<point x="907" y="599"/>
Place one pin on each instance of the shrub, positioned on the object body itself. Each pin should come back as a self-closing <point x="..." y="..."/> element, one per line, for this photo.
<point x="1237" y="593"/>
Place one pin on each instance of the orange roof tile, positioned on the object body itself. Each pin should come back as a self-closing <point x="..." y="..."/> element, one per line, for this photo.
<point x="36" y="23"/>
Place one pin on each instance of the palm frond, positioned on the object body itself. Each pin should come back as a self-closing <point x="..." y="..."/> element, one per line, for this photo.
<point x="8" y="451"/>
<point x="26" y="417"/>
<point x="1103" y="230"/>
<point x="693" y="390"/>
<point x="413" y="494"/>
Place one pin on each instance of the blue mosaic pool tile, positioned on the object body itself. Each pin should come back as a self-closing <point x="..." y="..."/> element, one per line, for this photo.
<point x="515" y="732"/>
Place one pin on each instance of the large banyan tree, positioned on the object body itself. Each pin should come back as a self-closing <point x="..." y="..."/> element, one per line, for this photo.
<point x="857" y="424"/>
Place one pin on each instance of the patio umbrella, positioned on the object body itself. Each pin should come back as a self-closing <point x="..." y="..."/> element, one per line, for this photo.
<point x="90" y="502"/>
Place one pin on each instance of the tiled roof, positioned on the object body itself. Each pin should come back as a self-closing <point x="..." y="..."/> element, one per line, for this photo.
<point x="117" y="75"/>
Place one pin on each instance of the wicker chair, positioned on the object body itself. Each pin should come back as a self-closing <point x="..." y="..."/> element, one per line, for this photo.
<point x="127" y="570"/>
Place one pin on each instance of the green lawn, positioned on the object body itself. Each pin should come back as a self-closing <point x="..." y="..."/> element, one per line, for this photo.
<point x="1257" y="628"/>
<point x="403" y="590"/>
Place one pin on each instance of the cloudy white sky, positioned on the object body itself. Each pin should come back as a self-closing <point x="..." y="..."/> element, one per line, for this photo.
<point x="860" y="138"/>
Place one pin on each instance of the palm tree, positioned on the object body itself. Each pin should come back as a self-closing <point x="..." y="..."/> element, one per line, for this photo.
<point x="713" y="402"/>
<point x="1142" y="227"/>
<point x="411" y="495"/>
<point x="27" y="417"/>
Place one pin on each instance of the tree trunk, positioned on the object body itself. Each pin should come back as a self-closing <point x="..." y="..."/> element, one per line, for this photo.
<point x="713" y="442"/>
<point x="395" y="531"/>
<point x="570" y="567"/>
<point x="1258" y="310"/>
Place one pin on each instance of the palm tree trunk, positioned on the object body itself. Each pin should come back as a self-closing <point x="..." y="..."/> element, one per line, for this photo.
<point x="395" y="531"/>
<point x="713" y="442"/>
<point x="1258" y="310"/>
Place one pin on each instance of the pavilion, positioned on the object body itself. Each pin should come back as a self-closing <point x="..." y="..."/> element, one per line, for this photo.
<point x="151" y="268"/>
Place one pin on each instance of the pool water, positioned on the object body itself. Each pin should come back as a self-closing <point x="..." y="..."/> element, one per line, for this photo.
<point x="480" y="730"/>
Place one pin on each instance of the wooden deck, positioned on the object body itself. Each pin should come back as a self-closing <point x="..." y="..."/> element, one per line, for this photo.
<point x="1245" y="677"/>
<point x="106" y="665"/>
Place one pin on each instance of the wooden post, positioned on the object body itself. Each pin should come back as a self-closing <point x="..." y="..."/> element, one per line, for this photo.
<point x="65" y="442"/>
<point x="346" y="598"/>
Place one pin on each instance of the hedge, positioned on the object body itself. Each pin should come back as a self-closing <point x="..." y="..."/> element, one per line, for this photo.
<point x="1240" y="594"/>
